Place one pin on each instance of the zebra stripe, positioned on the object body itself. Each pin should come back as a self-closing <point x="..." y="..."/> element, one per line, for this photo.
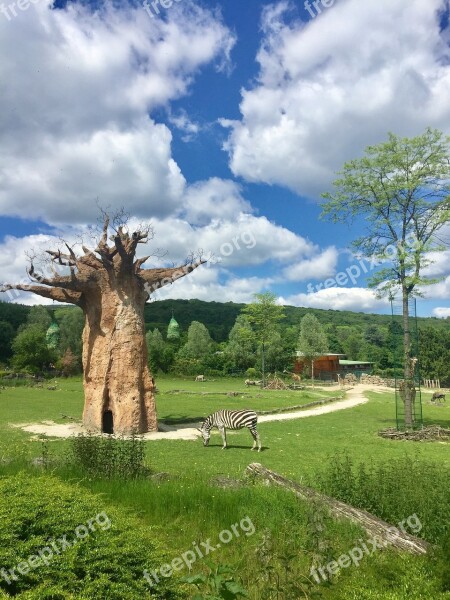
<point x="231" y="419"/>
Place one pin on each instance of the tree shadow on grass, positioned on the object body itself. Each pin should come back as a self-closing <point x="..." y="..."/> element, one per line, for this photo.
<point x="182" y="420"/>
<point x="238" y="447"/>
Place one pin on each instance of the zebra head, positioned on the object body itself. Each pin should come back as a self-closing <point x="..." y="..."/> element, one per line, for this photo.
<point x="206" y="433"/>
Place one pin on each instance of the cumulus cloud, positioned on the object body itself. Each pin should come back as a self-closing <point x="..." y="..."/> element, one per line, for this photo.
<point x="442" y="312"/>
<point x="439" y="290"/>
<point x="79" y="87"/>
<point x="214" y="285"/>
<point x="355" y="299"/>
<point x="245" y="241"/>
<point x="214" y="199"/>
<point x="330" y="87"/>
<point x="319" y="267"/>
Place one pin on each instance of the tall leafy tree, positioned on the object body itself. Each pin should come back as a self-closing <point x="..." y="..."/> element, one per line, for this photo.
<point x="264" y="314"/>
<point x="241" y="347"/>
<point x="199" y="343"/>
<point x="402" y="189"/>
<point x="313" y="341"/>
<point x="160" y="352"/>
<point x="30" y="349"/>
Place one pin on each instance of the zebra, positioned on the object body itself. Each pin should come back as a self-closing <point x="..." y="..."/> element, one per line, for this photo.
<point x="231" y="419"/>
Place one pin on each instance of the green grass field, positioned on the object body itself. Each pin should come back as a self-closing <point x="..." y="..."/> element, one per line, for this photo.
<point x="187" y="508"/>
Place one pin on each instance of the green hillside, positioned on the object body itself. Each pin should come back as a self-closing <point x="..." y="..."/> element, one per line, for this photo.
<point x="219" y="317"/>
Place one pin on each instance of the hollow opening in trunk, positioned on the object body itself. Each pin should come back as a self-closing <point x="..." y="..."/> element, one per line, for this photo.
<point x="108" y="422"/>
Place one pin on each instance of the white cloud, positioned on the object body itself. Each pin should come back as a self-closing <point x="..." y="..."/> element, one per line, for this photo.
<point x="319" y="267"/>
<point x="440" y="264"/>
<point x="78" y="88"/>
<point x="214" y="199"/>
<point x="330" y="87"/>
<point x="182" y="122"/>
<point x="442" y="312"/>
<point x="439" y="290"/>
<point x="214" y="285"/>
<point x="245" y="241"/>
<point x="355" y="299"/>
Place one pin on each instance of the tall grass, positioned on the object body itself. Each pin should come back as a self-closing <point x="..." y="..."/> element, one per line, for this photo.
<point x="393" y="490"/>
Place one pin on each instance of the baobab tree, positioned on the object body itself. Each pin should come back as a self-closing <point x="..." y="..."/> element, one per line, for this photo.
<point x="111" y="287"/>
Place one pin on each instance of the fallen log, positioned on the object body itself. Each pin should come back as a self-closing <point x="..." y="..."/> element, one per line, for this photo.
<point x="387" y="534"/>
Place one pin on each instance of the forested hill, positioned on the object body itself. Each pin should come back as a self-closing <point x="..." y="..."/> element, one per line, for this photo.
<point x="219" y="317"/>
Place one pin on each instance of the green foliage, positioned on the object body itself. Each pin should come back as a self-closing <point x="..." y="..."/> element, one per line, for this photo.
<point x="107" y="563"/>
<point x="241" y="347"/>
<point x="216" y="316"/>
<point x="108" y="456"/>
<point x="401" y="188"/>
<point x="393" y="490"/>
<point x="218" y="584"/>
<point x="7" y="334"/>
<point x="199" y="343"/>
<point x="15" y="314"/>
<point x="30" y="349"/>
<point x="40" y="317"/>
<point x="264" y="315"/>
<point x="160" y="353"/>
<point x="71" y="324"/>
<point x="313" y="340"/>
<point x="434" y="353"/>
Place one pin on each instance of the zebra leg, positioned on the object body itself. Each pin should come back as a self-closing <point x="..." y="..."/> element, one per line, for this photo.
<point x="224" y="438"/>
<point x="256" y="439"/>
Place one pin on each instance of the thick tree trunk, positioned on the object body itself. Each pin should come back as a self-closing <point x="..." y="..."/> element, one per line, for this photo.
<point x="118" y="387"/>
<point x="387" y="534"/>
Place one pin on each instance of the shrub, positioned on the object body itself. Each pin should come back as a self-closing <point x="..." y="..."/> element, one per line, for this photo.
<point x="107" y="563"/>
<point x="108" y="456"/>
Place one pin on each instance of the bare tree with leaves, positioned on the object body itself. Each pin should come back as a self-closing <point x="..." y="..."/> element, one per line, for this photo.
<point x="402" y="190"/>
<point x="111" y="286"/>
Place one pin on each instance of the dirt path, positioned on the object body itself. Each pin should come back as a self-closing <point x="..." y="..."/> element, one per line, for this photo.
<point x="355" y="397"/>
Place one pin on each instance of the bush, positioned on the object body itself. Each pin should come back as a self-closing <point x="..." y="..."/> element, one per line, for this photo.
<point x="108" y="456"/>
<point x="108" y="562"/>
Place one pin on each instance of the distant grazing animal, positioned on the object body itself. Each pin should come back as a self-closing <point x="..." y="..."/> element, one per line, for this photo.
<point x="231" y="419"/>
<point x="252" y="382"/>
<point x="200" y="378"/>
<point x="438" y="396"/>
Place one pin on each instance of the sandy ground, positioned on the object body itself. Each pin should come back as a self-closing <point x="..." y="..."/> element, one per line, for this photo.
<point x="355" y="397"/>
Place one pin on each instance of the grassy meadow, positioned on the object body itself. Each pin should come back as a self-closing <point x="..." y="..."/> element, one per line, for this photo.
<point x="339" y="453"/>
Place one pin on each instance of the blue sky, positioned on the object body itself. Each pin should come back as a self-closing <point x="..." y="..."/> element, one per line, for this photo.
<point x="221" y="123"/>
